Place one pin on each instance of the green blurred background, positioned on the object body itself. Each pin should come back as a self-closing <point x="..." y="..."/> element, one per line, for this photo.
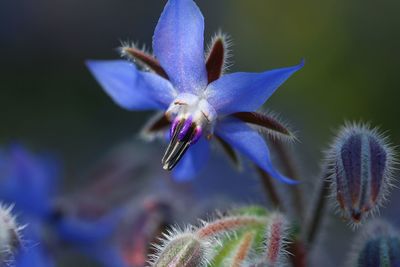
<point x="49" y="100"/>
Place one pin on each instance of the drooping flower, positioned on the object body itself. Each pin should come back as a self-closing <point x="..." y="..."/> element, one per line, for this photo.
<point x="197" y="100"/>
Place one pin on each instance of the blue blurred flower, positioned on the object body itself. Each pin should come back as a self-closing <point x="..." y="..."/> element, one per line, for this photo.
<point x="199" y="102"/>
<point x="33" y="252"/>
<point x="35" y="256"/>
<point x="30" y="183"/>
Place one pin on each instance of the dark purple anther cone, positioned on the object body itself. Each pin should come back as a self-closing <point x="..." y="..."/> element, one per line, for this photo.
<point x="184" y="133"/>
<point x="173" y="127"/>
<point x="185" y="128"/>
<point x="360" y="163"/>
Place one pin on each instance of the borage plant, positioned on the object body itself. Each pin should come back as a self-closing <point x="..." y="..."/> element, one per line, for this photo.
<point x="200" y="102"/>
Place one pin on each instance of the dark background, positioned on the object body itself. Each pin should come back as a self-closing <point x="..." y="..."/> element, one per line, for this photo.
<point x="49" y="100"/>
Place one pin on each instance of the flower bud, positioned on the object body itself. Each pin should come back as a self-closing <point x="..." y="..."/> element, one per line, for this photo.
<point x="380" y="247"/>
<point x="242" y="250"/>
<point x="360" y="166"/>
<point x="276" y="239"/>
<point x="10" y="238"/>
<point x="182" y="250"/>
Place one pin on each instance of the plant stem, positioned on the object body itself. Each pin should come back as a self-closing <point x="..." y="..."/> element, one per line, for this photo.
<point x="270" y="189"/>
<point x="289" y="166"/>
<point x="298" y="254"/>
<point x="318" y="211"/>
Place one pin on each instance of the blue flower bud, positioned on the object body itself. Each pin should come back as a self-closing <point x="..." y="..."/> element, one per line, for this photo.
<point x="360" y="165"/>
<point x="380" y="247"/>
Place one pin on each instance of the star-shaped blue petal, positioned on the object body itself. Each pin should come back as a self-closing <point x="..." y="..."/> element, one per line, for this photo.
<point x="199" y="102"/>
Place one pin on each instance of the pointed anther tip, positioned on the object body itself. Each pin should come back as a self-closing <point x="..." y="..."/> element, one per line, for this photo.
<point x="166" y="166"/>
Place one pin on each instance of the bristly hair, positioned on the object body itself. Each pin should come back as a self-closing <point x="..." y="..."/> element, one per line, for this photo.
<point x="11" y="239"/>
<point x="175" y="233"/>
<point x="392" y="162"/>
<point x="270" y="124"/>
<point x="227" y="43"/>
<point x="124" y="54"/>
<point x="279" y="242"/>
<point x="141" y="57"/>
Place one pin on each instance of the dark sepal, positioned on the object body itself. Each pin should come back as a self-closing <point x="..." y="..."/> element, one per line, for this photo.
<point x="265" y="121"/>
<point x="156" y="123"/>
<point x="216" y="60"/>
<point x="146" y="59"/>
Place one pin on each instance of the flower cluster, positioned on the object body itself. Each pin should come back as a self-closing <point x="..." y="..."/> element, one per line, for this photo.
<point x="233" y="240"/>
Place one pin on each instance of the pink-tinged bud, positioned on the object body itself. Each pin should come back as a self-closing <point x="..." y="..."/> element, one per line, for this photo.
<point x="360" y="166"/>
<point x="241" y="255"/>
<point x="229" y="224"/>
<point x="276" y="240"/>
<point x="181" y="250"/>
<point x="10" y="237"/>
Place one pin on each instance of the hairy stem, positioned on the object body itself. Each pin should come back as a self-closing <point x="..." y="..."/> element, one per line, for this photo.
<point x="289" y="166"/>
<point x="270" y="189"/>
<point x="298" y="254"/>
<point x="317" y="211"/>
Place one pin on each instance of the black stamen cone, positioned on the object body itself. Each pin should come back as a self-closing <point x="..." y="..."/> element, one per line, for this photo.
<point x="177" y="147"/>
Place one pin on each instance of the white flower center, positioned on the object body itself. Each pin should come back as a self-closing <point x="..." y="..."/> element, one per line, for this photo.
<point x="197" y="109"/>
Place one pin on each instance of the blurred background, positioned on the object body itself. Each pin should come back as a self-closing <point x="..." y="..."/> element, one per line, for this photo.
<point x="49" y="100"/>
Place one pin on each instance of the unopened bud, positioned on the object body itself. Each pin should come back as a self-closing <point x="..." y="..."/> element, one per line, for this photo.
<point x="380" y="247"/>
<point x="360" y="164"/>
<point x="183" y="250"/>
<point x="277" y="230"/>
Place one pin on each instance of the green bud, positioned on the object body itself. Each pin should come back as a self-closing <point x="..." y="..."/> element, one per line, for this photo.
<point x="184" y="250"/>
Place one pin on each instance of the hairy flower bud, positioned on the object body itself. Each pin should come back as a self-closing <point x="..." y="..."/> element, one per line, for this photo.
<point x="360" y="166"/>
<point x="10" y="239"/>
<point x="276" y="239"/>
<point x="379" y="247"/>
<point x="181" y="250"/>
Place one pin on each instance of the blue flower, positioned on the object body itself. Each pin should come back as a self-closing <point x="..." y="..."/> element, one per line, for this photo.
<point x="198" y="101"/>
<point x="30" y="182"/>
<point x="34" y="256"/>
